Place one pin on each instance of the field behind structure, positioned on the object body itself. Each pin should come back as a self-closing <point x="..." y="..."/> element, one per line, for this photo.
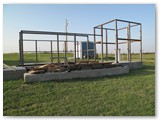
<point x="132" y="94"/>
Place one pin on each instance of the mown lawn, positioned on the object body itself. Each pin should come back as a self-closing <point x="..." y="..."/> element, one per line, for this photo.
<point x="132" y="94"/>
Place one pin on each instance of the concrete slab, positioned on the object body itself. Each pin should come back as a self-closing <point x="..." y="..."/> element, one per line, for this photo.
<point x="75" y="74"/>
<point x="14" y="73"/>
<point x="132" y="65"/>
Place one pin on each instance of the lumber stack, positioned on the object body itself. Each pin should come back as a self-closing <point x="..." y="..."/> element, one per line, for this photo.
<point x="70" y="66"/>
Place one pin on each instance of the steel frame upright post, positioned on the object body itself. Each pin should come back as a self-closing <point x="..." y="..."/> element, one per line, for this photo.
<point x="65" y="51"/>
<point x="94" y="29"/>
<point x="106" y="45"/>
<point x="102" y="43"/>
<point x="141" y="43"/>
<point x="36" y="51"/>
<point x="75" y="48"/>
<point x="51" y="53"/>
<point x="129" y="42"/>
<point x="116" y="40"/>
<point x="21" y="48"/>
<point x="58" y="48"/>
<point x="87" y="48"/>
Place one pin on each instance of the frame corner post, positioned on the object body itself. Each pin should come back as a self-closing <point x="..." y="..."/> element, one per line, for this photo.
<point x="94" y="29"/>
<point x="116" y="40"/>
<point x="21" y="55"/>
<point x="141" y="57"/>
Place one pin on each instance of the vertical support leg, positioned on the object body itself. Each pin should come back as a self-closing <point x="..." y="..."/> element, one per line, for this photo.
<point x="141" y="43"/>
<point x="94" y="29"/>
<point x="51" y="53"/>
<point x="129" y="43"/>
<point x="21" y="48"/>
<point x="78" y="50"/>
<point x="58" y="48"/>
<point x="74" y="48"/>
<point x="87" y="48"/>
<point x="65" y="49"/>
<point x="116" y="39"/>
<point x="101" y="43"/>
<point x="36" y="51"/>
<point x="106" y="45"/>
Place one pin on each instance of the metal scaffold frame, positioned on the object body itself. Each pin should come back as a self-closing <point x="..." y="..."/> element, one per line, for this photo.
<point x="102" y="28"/>
<point x="58" y="34"/>
<point x="129" y="40"/>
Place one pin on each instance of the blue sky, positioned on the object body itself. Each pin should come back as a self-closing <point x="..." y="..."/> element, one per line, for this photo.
<point x="82" y="18"/>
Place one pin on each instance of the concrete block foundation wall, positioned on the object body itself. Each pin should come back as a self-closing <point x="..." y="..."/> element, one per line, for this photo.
<point x="132" y="65"/>
<point x="75" y="74"/>
<point x="14" y="74"/>
<point x="20" y="73"/>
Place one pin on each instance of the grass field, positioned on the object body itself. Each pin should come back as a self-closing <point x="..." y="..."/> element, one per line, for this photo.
<point x="132" y="94"/>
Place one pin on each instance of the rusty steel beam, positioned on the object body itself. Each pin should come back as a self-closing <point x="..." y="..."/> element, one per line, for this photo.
<point x="128" y="21"/>
<point x="129" y="39"/>
<point x="106" y="28"/>
<point x="55" y="33"/>
<point x="46" y="40"/>
<point x="126" y="27"/>
<point x="104" y="23"/>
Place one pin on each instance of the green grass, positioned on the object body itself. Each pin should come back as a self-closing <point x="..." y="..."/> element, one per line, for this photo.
<point x="13" y="59"/>
<point x="132" y="94"/>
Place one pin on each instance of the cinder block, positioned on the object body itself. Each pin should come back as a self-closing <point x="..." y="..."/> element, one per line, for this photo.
<point x="132" y="65"/>
<point x="14" y="74"/>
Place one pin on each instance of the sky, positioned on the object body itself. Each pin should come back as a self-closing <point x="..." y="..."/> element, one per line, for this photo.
<point x="81" y="18"/>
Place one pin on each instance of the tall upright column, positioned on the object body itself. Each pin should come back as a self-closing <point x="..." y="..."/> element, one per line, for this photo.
<point x="116" y="40"/>
<point x="106" y="45"/>
<point x="58" y="48"/>
<point x="36" y="51"/>
<point x="141" y="43"/>
<point x="21" y="48"/>
<point x="74" y="48"/>
<point x="129" y="43"/>
<point x="87" y="48"/>
<point x="51" y="53"/>
<point x="101" y="43"/>
<point x="94" y="29"/>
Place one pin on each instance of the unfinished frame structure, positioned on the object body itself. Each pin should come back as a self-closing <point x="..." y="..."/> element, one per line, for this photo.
<point x="58" y="34"/>
<point x="117" y="38"/>
<point x="101" y="27"/>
